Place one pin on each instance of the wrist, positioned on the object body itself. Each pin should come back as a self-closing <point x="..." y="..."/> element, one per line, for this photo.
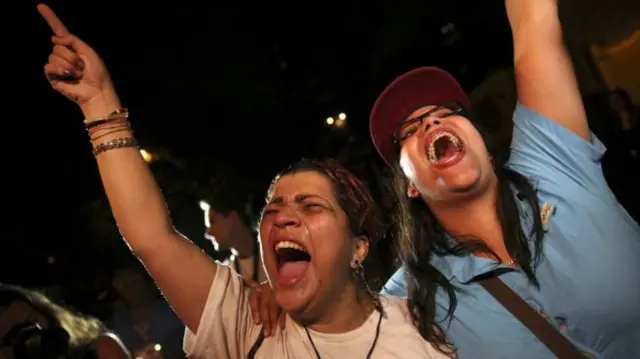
<point x="101" y="105"/>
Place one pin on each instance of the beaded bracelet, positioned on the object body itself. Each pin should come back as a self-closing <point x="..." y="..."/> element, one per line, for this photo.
<point x="121" y="142"/>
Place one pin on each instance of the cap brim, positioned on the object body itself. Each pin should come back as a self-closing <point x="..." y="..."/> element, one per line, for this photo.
<point x="407" y="93"/>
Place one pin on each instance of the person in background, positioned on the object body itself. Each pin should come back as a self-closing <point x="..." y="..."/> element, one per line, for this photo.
<point x="228" y="225"/>
<point x="316" y="232"/>
<point x="622" y="163"/>
<point x="541" y="220"/>
<point x="145" y="322"/>
<point x="628" y="124"/>
<point x="33" y="327"/>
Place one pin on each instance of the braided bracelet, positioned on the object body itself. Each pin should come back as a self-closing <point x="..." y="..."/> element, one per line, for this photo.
<point x="121" y="142"/>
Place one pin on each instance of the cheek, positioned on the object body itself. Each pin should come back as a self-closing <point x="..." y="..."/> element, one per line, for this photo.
<point x="332" y="251"/>
<point x="478" y="148"/>
<point x="264" y="229"/>
<point x="416" y="168"/>
<point x="412" y="160"/>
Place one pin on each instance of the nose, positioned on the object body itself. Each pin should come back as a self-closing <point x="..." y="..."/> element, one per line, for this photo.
<point x="430" y="122"/>
<point x="286" y="218"/>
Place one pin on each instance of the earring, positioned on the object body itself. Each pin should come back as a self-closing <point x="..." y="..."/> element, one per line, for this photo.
<point x="412" y="192"/>
<point x="356" y="264"/>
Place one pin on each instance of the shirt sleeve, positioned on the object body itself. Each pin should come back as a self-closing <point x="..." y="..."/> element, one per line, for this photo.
<point x="226" y="329"/>
<point x="545" y="150"/>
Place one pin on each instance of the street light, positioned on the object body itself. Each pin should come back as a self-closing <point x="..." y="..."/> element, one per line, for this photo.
<point x="146" y="155"/>
<point x="338" y="121"/>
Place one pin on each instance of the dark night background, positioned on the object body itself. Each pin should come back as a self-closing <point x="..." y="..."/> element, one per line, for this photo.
<point x="234" y="90"/>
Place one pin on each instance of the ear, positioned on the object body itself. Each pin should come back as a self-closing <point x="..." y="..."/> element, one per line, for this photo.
<point x="234" y="217"/>
<point x="412" y="191"/>
<point x="360" y="250"/>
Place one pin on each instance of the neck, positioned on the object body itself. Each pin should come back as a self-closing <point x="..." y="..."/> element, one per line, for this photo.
<point x="348" y="312"/>
<point x="475" y="219"/>
<point x="244" y="242"/>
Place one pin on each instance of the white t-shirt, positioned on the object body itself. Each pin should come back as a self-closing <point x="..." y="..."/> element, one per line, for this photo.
<point x="247" y="267"/>
<point x="227" y="330"/>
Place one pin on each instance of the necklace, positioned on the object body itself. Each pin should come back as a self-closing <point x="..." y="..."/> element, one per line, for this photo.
<point x="373" y="346"/>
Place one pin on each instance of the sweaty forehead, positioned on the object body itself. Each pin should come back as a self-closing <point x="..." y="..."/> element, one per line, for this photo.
<point x="308" y="183"/>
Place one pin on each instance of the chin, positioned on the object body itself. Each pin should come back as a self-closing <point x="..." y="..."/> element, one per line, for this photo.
<point x="294" y="301"/>
<point x="470" y="185"/>
<point x="293" y="295"/>
<point x="465" y="181"/>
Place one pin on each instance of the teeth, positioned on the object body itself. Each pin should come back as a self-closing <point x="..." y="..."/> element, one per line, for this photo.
<point x="432" y="145"/>
<point x="288" y="244"/>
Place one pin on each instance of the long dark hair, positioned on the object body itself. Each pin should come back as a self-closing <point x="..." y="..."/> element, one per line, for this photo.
<point x="419" y="236"/>
<point x="354" y="197"/>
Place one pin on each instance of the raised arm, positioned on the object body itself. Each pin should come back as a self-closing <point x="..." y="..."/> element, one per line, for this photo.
<point x="181" y="270"/>
<point x="545" y="78"/>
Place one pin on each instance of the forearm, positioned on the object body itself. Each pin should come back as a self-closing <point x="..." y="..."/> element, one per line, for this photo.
<point x="135" y="198"/>
<point x="181" y="270"/>
<point x="545" y="78"/>
<point x="534" y="24"/>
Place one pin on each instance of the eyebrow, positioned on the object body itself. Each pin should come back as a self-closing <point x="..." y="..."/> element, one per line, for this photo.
<point x="428" y="113"/>
<point x="299" y="198"/>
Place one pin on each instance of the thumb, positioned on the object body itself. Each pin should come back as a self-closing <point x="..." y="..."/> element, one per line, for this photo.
<point x="63" y="87"/>
<point x="72" y="42"/>
<point x="86" y="62"/>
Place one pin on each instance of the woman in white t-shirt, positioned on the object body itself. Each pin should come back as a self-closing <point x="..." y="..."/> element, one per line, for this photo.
<point x="317" y="228"/>
<point x="316" y="231"/>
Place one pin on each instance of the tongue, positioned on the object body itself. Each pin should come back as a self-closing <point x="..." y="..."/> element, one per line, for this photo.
<point x="448" y="152"/>
<point x="291" y="270"/>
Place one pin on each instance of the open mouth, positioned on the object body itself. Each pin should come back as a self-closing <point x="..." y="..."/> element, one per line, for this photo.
<point x="444" y="148"/>
<point x="293" y="261"/>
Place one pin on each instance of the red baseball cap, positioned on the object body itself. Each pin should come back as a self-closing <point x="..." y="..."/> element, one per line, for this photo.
<point x="416" y="88"/>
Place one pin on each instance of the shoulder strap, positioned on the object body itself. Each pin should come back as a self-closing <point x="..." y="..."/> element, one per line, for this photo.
<point x="556" y="342"/>
<point x="256" y="346"/>
<point x="256" y="262"/>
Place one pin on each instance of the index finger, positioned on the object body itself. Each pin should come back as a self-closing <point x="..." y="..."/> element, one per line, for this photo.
<point x="53" y="20"/>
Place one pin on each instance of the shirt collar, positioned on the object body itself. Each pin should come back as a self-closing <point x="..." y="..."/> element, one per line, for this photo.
<point x="467" y="267"/>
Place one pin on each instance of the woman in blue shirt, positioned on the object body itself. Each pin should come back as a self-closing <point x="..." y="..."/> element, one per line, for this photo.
<point x="543" y="220"/>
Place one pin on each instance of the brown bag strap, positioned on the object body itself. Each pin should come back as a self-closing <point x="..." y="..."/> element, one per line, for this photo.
<point x="556" y="342"/>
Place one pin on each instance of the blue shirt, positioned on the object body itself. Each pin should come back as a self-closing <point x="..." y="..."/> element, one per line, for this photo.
<point x="590" y="272"/>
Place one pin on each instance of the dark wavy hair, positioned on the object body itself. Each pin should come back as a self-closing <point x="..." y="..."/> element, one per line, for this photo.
<point x="353" y="196"/>
<point x="419" y="236"/>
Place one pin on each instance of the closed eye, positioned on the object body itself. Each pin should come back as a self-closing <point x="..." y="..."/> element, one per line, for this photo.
<point x="268" y="211"/>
